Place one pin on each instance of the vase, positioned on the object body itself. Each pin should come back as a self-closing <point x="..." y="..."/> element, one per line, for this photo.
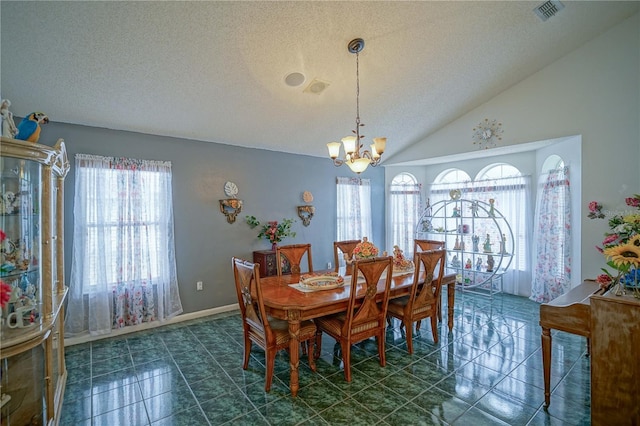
<point x="274" y="246"/>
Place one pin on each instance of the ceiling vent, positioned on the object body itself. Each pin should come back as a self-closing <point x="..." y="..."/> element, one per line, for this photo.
<point x="548" y="9"/>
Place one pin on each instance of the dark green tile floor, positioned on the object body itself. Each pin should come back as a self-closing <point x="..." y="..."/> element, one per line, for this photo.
<point x="488" y="371"/>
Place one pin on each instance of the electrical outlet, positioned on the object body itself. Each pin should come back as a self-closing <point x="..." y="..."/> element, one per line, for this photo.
<point x="199" y="285"/>
<point x="328" y="265"/>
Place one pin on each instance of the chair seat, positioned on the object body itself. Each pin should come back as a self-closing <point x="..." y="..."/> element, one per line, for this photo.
<point x="333" y="324"/>
<point x="397" y="306"/>
<point x="281" y="330"/>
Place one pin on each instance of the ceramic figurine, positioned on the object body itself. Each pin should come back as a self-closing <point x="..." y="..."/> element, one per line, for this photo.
<point x="490" y="263"/>
<point x="503" y="244"/>
<point x="487" y="244"/>
<point x="479" y="264"/>
<point x="492" y="211"/>
<point x="468" y="264"/>
<point x="456" y="245"/>
<point x="476" y="243"/>
<point x="9" y="128"/>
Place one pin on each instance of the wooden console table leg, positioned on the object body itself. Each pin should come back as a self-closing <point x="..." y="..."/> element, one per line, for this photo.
<point x="294" y="350"/>
<point x="546" y="364"/>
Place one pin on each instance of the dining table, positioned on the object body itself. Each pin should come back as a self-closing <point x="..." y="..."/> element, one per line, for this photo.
<point x="285" y="299"/>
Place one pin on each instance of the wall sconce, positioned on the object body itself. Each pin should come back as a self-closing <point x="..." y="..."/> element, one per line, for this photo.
<point x="305" y="213"/>
<point x="231" y="206"/>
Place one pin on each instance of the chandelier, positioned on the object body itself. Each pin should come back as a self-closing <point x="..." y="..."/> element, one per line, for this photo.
<point x="356" y="160"/>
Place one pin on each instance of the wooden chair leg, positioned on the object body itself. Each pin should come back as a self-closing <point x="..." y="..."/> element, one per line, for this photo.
<point x="346" y="360"/>
<point x="409" y="336"/>
<point x="311" y="355"/>
<point x="247" y="352"/>
<point x="270" y="361"/>
<point x="318" y="348"/>
<point x="434" y="328"/>
<point x="381" y="353"/>
<point x="418" y="325"/>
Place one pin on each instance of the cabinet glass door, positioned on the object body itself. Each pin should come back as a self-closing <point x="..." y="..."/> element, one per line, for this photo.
<point x="20" y="251"/>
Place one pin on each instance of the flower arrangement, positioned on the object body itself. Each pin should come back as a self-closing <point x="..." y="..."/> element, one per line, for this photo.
<point x="365" y="249"/>
<point x="621" y="246"/>
<point x="272" y="231"/>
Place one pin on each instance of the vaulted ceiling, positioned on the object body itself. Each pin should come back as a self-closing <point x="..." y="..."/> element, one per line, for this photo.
<point x="215" y="71"/>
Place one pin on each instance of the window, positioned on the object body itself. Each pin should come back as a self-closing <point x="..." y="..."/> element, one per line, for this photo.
<point x="405" y="207"/>
<point x="123" y="269"/>
<point x="353" y="208"/>
<point x="506" y="185"/>
<point x="511" y="192"/>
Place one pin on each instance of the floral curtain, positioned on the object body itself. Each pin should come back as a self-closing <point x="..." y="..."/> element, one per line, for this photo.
<point x="552" y="245"/>
<point x="123" y="269"/>
<point x="353" y="208"/>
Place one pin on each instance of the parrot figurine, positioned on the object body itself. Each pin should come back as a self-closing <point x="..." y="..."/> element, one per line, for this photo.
<point x="29" y="127"/>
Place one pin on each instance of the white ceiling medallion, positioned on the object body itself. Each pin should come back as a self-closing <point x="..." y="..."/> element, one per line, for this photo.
<point x="487" y="133"/>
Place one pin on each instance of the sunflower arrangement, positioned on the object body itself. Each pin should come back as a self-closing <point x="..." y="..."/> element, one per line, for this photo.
<point x="621" y="246"/>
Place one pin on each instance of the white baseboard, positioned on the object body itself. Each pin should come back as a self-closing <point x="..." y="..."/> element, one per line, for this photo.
<point x="69" y="341"/>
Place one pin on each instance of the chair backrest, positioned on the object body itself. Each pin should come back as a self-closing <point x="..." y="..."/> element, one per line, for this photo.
<point x="254" y="316"/>
<point x="365" y="314"/>
<point x="427" y="261"/>
<point x="294" y="254"/>
<point x="423" y="245"/>
<point x="346" y="247"/>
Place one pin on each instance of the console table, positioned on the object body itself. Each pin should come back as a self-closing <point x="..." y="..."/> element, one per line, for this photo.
<point x="615" y="367"/>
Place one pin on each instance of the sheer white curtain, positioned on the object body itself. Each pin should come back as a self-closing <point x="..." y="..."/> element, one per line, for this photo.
<point x="353" y="209"/>
<point x="123" y="269"/>
<point x="405" y="208"/>
<point x="512" y="197"/>
<point x="552" y="246"/>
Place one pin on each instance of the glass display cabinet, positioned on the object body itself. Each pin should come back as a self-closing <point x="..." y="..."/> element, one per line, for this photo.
<point x="32" y="368"/>
<point x="478" y="240"/>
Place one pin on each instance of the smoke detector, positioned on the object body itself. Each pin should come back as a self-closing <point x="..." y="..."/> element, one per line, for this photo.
<point x="316" y="87"/>
<point x="548" y="9"/>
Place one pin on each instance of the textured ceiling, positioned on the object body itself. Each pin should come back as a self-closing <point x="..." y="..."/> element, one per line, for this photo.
<point x="214" y="71"/>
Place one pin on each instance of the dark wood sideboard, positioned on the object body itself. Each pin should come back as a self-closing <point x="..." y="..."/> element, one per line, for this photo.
<point x="267" y="261"/>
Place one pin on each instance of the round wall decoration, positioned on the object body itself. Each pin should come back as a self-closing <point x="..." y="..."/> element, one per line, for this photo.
<point x="486" y="133"/>
<point x="307" y="197"/>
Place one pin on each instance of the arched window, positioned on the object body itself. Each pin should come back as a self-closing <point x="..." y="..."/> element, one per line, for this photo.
<point x="510" y="190"/>
<point x="446" y="181"/>
<point x="404" y="205"/>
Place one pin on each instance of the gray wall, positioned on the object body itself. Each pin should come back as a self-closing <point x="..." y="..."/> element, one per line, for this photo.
<point x="270" y="184"/>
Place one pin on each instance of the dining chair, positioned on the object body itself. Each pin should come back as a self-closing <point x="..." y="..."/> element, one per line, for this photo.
<point x="365" y="314"/>
<point x="269" y="333"/>
<point x="429" y="245"/>
<point x="422" y="300"/>
<point x="346" y="248"/>
<point x="294" y="254"/>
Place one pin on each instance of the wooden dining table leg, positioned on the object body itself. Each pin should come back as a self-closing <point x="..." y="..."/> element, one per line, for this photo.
<point x="546" y="364"/>
<point x="451" y="297"/>
<point x="293" y="317"/>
